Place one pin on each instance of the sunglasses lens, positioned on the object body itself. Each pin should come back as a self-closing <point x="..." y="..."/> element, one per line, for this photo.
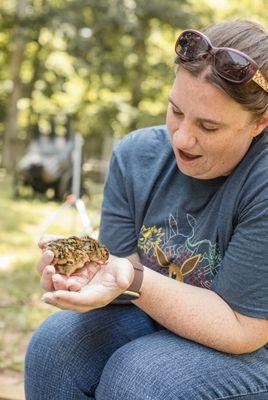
<point x="191" y="45"/>
<point x="234" y="66"/>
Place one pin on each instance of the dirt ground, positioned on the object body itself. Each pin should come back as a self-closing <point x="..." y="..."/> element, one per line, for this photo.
<point x="11" y="385"/>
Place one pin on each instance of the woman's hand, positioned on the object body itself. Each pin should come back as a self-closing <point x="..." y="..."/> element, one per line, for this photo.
<point x="50" y="280"/>
<point x="110" y="280"/>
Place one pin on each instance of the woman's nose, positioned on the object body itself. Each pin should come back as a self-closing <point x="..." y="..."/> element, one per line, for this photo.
<point x="184" y="137"/>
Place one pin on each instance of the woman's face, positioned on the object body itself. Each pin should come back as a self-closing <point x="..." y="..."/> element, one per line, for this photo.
<point x="210" y="132"/>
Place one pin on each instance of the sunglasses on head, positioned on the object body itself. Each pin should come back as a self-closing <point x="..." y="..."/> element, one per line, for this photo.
<point x="230" y="64"/>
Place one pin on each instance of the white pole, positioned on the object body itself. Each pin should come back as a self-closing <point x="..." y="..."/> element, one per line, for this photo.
<point x="77" y="165"/>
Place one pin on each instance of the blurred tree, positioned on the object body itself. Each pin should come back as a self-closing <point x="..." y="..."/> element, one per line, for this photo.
<point x="106" y="63"/>
<point x="18" y="42"/>
<point x="246" y="9"/>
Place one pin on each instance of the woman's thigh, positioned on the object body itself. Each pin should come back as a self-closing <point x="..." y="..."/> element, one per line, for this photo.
<point x="164" y="366"/>
<point x="68" y="352"/>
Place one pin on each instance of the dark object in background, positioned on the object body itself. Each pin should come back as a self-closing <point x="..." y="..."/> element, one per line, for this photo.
<point x="47" y="164"/>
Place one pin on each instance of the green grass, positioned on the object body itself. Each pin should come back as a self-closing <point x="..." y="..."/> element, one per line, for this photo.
<point x="22" y="223"/>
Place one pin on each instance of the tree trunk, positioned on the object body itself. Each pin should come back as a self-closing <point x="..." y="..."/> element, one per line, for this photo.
<point x="136" y="87"/>
<point x="32" y="117"/>
<point x="11" y="132"/>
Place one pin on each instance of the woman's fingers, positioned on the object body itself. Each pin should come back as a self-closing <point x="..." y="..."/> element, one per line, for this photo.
<point x="45" y="260"/>
<point x="51" y="281"/>
<point x="46" y="278"/>
<point x="59" y="282"/>
<point x="75" y="284"/>
<point x="90" y="297"/>
<point x="75" y="301"/>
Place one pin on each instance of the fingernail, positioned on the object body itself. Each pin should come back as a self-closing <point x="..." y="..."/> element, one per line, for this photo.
<point x="49" y="253"/>
<point x="50" y="269"/>
<point x="73" y="288"/>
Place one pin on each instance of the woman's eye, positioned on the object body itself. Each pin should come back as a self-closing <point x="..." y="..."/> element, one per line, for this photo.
<point x="175" y="111"/>
<point x="209" y="129"/>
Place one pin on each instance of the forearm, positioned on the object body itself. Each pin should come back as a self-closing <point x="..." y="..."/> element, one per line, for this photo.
<point x="195" y="313"/>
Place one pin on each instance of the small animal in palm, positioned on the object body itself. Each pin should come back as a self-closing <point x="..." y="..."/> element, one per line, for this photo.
<point x="72" y="253"/>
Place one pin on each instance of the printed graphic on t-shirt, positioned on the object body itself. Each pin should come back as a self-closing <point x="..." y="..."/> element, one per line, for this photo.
<point x="182" y="256"/>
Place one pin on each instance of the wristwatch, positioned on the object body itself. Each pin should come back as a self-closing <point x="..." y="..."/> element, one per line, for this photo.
<point x="133" y="292"/>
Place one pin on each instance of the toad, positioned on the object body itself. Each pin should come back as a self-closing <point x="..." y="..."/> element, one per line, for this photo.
<point x="72" y="253"/>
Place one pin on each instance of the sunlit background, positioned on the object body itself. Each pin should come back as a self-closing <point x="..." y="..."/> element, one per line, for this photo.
<point x="98" y="68"/>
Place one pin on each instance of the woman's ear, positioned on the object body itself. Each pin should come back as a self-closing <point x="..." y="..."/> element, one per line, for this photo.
<point x="261" y="123"/>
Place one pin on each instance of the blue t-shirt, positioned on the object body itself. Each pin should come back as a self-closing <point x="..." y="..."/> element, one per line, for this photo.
<point x="214" y="231"/>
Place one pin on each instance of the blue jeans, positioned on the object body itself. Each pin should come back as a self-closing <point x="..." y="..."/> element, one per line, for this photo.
<point x="120" y="353"/>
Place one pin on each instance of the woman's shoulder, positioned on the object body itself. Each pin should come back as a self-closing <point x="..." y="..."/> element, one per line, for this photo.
<point x="251" y="176"/>
<point x="144" y="141"/>
<point x="256" y="161"/>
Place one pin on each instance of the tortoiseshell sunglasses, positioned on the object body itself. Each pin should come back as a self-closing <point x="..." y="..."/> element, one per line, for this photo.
<point x="230" y="64"/>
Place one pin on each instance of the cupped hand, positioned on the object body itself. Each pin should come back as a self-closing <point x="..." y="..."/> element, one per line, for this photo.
<point x="50" y="280"/>
<point x="110" y="280"/>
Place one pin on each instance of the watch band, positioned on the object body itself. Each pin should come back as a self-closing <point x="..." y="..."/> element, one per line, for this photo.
<point x="133" y="292"/>
<point x="138" y="277"/>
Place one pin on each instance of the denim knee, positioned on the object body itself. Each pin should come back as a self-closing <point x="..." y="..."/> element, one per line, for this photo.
<point x="129" y="375"/>
<point x="52" y="346"/>
<point x="71" y="349"/>
<point x="165" y="366"/>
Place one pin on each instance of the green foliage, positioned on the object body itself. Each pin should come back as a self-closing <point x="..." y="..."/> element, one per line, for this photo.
<point x="109" y="64"/>
<point x="241" y="9"/>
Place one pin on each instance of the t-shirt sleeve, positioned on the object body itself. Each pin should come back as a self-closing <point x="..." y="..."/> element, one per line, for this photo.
<point x="117" y="227"/>
<point x="242" y="280"/>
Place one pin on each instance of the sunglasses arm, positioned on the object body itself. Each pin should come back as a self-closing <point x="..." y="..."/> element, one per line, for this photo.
<point x="260" y="80"/>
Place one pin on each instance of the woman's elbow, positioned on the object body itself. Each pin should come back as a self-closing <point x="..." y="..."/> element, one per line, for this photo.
<point x="246" y="346"/>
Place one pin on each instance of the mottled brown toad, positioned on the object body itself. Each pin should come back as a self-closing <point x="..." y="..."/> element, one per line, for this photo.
<point x="73" y="252"/>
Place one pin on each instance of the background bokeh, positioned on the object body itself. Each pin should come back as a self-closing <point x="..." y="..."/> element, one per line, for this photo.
<point x="108" y="67"/>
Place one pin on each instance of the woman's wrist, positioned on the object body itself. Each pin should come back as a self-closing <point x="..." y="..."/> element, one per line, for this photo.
<point x="137" y="280"/>
<point x="131" y="267"/>
<point x="132" y="292"/>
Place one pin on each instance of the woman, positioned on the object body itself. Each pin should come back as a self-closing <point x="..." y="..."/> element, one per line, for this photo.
<point x="188" y="200"/>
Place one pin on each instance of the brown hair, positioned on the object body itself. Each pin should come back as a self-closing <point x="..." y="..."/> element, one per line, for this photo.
<point x="249" y="37"/>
